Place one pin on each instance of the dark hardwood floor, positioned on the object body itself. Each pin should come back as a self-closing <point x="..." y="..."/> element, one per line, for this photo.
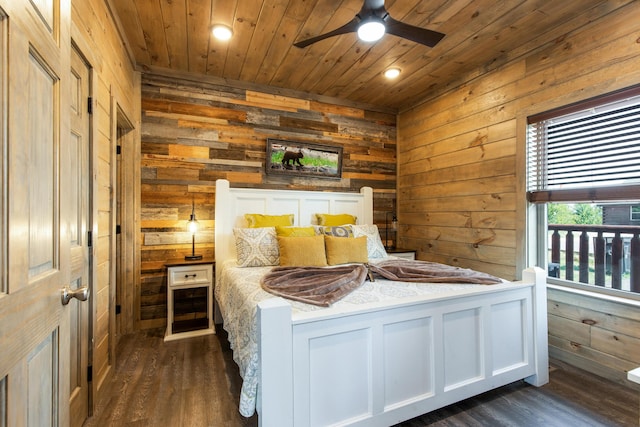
<point x="194" y="382"/>
<point x="191" y="382"/>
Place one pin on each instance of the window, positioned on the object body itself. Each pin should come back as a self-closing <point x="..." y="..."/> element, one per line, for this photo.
<point x="581" y="159"/>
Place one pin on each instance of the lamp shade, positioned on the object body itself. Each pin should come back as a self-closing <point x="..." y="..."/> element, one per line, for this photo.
<point x="394" y="227"/>
<point x="192" y="226"/>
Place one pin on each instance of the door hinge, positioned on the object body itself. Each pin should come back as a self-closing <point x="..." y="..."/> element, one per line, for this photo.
<point x="89" y="373"/>
<point x="118" y="149"/>
<point x="118" y="308"/>
<point x="90" y="105"/>
<point x="89" y="238"/>
<point x="118" y="229"/>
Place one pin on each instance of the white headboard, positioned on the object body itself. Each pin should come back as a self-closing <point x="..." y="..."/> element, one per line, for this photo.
<point x="233" y="203"/>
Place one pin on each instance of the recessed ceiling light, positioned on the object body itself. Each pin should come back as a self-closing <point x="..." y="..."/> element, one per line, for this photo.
<point x="392" y="73"/>
<point x="371" y="29"/>
<point x="221" y="32"/>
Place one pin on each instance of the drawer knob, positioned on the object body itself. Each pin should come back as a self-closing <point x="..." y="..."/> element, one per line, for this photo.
<point x="186" y="276"/>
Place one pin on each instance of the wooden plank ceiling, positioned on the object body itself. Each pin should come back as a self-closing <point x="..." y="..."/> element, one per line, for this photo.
<point x="480" y="35"/>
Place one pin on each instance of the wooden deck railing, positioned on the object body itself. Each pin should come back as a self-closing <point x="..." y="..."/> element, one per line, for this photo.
<point x="604" y="249"/>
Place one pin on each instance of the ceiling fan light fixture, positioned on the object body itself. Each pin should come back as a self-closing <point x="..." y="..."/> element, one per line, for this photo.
<point x="222" y="32"/>
<point x="371" y="29"/>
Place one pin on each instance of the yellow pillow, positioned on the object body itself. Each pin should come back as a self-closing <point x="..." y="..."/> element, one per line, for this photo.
<point x="259" y="220"/>
<point x="295" y="231"/>
<point x="339" y="219"/>
<point x="302" y="251"/>
<point x="342" y="250"/>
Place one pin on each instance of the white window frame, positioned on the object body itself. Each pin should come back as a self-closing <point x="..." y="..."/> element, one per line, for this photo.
<point x="537" y="226"/>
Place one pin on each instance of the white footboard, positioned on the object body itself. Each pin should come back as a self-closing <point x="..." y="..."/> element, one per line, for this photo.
<point x="381" y="366"/>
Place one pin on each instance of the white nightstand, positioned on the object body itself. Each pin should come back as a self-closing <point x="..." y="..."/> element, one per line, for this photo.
<point x="402" y="253"/>
<point x="189" y="299"/>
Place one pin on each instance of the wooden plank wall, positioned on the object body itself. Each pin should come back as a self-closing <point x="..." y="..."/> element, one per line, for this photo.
<point x="114" y="81"/>
<point x="461" y="191"/>
<point x="196" y="130"/>
<point x="601" y="336"/>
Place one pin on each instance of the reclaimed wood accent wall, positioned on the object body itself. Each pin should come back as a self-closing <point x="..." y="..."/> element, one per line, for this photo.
<point x="196" y="130"/>
<point x="461" y="153"/>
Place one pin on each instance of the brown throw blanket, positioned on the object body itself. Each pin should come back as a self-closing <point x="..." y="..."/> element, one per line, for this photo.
<point x="430" y="272"/>
<point x="323" y="286"/>
<point x="314" y="285"/>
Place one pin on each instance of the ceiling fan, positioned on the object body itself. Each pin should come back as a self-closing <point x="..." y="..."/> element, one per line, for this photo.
<point x="372" y="22"/>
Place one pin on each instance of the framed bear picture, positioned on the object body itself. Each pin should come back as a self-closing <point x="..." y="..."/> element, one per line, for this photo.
<point x="303" y="159"/>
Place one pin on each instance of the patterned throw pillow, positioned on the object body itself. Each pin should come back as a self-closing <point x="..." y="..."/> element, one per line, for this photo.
<point x="375" y="248"/>
<point x="335" y="231"/>
<point x="256" y="247"/>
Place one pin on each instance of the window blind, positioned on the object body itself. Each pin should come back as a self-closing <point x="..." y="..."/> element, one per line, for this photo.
<point x="595" y="147"/>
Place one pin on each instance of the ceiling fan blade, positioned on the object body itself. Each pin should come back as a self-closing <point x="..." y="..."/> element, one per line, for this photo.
<point x="373" y="6"/>
<point x="416" y="34"/>
<point x="350" y="27"/>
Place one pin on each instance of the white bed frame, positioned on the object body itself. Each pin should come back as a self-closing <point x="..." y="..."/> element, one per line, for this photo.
<point x="383" y="364"/>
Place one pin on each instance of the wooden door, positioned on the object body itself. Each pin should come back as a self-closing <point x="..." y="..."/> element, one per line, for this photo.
<point x="34" y="325"/>
<point x="80" y="250"/>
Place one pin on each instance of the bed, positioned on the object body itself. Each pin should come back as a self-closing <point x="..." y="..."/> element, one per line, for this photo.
<point x="366" y="360"/>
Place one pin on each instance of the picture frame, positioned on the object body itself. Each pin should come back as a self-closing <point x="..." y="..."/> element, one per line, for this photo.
<point x="295" y="158"/>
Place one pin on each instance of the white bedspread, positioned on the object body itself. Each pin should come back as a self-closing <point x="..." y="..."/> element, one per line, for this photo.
<point x="238" y="293"/>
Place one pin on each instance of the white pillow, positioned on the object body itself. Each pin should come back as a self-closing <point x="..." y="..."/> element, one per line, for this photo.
<point x="375" y="248"/>
<point x="257" y="247"/>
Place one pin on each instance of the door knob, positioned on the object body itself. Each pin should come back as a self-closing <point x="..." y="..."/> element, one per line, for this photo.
<point x="80" y="294"/>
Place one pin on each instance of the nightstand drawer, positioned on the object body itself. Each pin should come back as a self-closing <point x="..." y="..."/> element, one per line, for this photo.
<point x="190" y="275"/>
